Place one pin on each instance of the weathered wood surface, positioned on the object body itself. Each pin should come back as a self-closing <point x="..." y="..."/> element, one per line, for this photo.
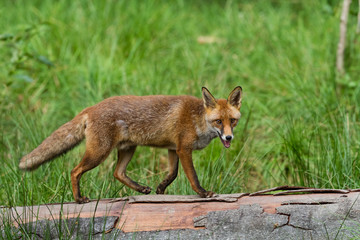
<point x="325" y="214"/>
<point x="164" y="212"/>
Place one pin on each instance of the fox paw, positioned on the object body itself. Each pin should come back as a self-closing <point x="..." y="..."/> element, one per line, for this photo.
<point x="207" y="194"/>
<point x="82" y="200"/>
<point x="146" y="190"/>
<point x="160" y="190"/>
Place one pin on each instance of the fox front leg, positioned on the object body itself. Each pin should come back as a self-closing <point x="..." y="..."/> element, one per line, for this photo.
<point x="185" y="155"/>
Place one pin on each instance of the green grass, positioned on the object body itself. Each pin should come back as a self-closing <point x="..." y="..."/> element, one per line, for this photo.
<point x="300" y="122"/>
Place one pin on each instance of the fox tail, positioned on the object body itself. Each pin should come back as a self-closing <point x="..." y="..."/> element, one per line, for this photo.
<point x="59" y="142"/>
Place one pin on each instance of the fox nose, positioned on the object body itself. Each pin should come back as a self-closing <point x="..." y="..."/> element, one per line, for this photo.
<point x="228" y="138"/>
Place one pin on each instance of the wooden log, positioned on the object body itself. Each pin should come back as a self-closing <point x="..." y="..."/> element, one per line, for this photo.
<point x="163" y="212"/>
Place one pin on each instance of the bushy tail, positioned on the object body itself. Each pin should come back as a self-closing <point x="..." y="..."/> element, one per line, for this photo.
<point x="59" y="142"/>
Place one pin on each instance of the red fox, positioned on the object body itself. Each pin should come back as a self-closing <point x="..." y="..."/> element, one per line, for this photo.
<point x="181" y="124"/>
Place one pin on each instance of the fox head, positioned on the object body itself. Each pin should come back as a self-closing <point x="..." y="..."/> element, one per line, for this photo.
<point x="222" y="115"/>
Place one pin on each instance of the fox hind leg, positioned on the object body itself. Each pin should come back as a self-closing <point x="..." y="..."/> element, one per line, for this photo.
<point x="173" y="171"/>
<point x="124" y="157"/>
<point x="90" y="160"/>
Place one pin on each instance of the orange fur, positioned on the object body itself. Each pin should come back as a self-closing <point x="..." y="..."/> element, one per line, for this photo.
<point x="181" y="124"/>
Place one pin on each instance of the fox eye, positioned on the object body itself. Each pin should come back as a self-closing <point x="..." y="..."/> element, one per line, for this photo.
<point x="232" y="120"/>
<point x="218" y="121"/>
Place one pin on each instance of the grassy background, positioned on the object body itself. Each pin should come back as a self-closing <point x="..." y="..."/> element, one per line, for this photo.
<point x="300" y="122"/>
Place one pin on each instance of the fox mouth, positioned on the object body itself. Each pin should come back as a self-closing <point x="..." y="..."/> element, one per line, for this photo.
<point x="226" y="143"/>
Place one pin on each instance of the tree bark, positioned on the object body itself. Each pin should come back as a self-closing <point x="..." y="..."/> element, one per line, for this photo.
<point x="342" y="39"/>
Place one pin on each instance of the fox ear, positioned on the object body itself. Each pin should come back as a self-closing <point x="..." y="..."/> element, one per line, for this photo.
<point x="209" y="100"/>
<point x="235" y="97"/>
